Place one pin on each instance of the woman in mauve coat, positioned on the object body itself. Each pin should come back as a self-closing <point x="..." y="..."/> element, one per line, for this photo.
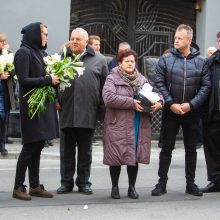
<point x="127" y="129"/>
<point x="30" y="70"/>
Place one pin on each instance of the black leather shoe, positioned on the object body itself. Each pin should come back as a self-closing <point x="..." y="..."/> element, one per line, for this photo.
<point x="193" y="190"/>
<point x="159" y="190"/>
<point x="115" y="193"/>
<point x="211" y="187"/>
<point x="132" y="193"/>
<point x="85" y="190"/>
<point x="64" y="189"/>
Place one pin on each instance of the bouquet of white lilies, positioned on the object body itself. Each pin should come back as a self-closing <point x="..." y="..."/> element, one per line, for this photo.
<point x="65" y="69"/>
<point x="6" y="61"/>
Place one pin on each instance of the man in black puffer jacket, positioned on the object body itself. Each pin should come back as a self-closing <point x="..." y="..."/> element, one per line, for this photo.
<point x="183" y="80"/>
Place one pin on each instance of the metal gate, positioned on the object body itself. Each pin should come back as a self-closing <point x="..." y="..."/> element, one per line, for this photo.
<point x="148" y="25"/>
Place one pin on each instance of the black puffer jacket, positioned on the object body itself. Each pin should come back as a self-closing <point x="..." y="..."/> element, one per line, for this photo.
<point x="212" y="62"/>
<point x="183" y="79"/>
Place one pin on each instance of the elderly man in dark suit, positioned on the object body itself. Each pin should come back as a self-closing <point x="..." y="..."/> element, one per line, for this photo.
<point x="78" y="114"/>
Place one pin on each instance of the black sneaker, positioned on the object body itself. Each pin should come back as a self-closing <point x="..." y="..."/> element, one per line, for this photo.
<point x="159" y="190"/>
<point x="193" y="190"/>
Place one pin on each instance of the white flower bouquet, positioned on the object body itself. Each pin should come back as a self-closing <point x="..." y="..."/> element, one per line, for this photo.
<point x="65" y="69"/>
<point x="6" y="61"/>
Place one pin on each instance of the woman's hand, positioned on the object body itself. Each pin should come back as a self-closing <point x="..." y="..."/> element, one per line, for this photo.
<point x="55" y="79"/>
<point x="156" y="106"/>
<point x="4" y="75"/>
<point x="137" y="106"/>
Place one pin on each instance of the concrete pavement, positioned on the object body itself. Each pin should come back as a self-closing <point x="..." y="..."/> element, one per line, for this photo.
<point x="174" y="205"/>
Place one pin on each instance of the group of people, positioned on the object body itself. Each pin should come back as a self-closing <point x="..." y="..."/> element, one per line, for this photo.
<point x="187" y="86"/>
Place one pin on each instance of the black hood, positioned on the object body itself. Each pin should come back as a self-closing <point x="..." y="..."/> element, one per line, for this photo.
<point x="194" y="51"/>
<point x="195" y="46"/>
<point x="32" y="36"/>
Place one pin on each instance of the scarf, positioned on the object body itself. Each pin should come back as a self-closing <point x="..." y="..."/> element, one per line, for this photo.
<point x="131" y="79"/>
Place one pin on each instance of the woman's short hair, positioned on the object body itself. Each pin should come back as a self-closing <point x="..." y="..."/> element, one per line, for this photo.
<point x="126" y="53"/>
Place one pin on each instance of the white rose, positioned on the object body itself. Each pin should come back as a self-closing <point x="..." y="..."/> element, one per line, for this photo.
<point x="9" y="58"/>
<point x="4" y="51"/>
<point x="79" y="70"/>
<point x="2" y="61"/>
<point x="56" y="57"/>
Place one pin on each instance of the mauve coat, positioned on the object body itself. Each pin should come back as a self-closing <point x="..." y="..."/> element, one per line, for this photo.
<point x="118" y="131"/>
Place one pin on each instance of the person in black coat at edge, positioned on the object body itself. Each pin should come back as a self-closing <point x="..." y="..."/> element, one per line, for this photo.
<point x="211" y="124"/>
<point x="30" y="70"/>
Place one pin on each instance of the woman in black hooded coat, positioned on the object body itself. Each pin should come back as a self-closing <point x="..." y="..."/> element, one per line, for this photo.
<point x="30" y="70"/>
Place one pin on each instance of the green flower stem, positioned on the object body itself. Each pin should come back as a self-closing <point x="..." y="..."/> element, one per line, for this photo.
<point x="37" y="108"/>
<point x="29" y="92"/>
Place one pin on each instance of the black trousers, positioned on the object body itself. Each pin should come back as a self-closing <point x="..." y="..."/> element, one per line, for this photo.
<point x="70" y="138"/>
<point x="211" y="143"/>
<point x="115" y="173"/>
<point x="171" y="123"/>
<point x="29" y="158"/>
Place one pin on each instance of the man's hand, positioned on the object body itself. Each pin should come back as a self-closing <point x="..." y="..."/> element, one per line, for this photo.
<point x="4" y="75"/>
<point x="176" y="109"/>
<point x="185" y="107"/>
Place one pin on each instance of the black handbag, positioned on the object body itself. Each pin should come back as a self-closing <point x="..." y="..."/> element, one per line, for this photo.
<point x="145" y="102"/>
<point x="147" y="97"/>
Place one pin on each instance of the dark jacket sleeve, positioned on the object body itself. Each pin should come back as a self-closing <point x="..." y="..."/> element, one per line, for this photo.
<point x="22" y="68"/>
<point x="203" y="92"/>
<point x="101" y="107"/>
<point x="160" y="81"/>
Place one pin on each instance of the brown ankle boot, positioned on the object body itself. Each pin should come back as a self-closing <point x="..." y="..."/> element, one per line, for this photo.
<point x="40" y="192"/>
<point x="21" y="193"/>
